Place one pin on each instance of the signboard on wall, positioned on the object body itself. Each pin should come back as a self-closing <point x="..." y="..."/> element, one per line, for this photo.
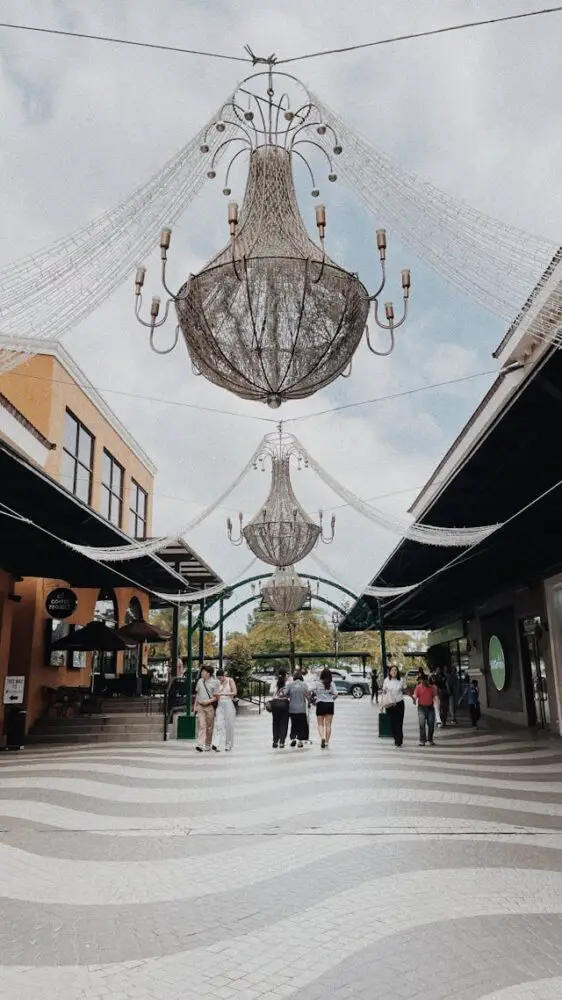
<point x="61" y="603"/>
<point x="496" y="659"/>
<point x="14" y="689"/>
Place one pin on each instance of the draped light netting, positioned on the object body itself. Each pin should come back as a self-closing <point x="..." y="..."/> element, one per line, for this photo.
<point x="424" y="533"/>
<point x="494" y="264"/>
<point x="45" y="295"/>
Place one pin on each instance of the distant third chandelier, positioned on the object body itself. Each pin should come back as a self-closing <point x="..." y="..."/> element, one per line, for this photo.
<point x="271" y="317"/>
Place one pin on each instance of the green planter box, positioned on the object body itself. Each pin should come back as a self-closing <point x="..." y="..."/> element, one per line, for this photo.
<point x="384" y="725"/>
<point x="186" y="727"/>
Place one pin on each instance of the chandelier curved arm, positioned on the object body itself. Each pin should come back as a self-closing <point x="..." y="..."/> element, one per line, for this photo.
<point x="321" y="128"/>
<point x="226" y="190"/>
<point x="229" y="527"/>
<point x="327" y="539"/>
<point x="315" y="191"/>
<point x="348" y="370"/>
<point x="373" y="350"/>
<point x="154" y="323"/>
<point x="247" y="144"/>
<point x="166" y="350"/>
<point x="332" y="176"/>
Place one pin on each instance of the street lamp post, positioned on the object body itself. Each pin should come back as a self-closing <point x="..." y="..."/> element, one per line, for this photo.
<point x="336" y="619"/>
<point x="292" y="628"/>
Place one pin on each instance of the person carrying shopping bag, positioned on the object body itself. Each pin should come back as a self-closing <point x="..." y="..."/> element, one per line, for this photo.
<point x="393" y="703"/>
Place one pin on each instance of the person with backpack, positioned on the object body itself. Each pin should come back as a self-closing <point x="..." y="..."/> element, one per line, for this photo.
<point x="325" y="694"/>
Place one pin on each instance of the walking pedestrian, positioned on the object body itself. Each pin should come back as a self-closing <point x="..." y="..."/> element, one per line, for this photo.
<point x="424" y="697"/>
<point x="453" y="690"/>
<point x="443" y="695"/>
<point x="474" y="704"/>
<point x="297" y="693"/>
<point x="326" y="694"/>
<point x="374" y="686"/>
<point x="393" y="702"/>
<point x="225" y="717"/>
<point x="279" y="709"/>
<point x="205" y="706"/>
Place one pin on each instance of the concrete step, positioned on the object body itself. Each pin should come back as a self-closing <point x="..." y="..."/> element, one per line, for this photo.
<point x="86" y="729"/>
<point x="82" y="738"/>
<point x="137" y="706"/>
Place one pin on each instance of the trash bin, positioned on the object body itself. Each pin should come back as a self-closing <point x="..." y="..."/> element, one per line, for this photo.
<point x="384" y="725"/>
<point x="16" y="720"/>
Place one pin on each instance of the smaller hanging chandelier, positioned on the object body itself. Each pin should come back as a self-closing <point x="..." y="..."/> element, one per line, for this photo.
<point x="285" y="591"/>
<point x="281" y="533"/>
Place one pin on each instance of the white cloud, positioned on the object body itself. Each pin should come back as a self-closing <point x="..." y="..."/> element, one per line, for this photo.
<point x="84" y="124"/>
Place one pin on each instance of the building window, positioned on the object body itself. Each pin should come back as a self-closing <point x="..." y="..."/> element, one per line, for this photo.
<point x="77" y="458"/>
<point x="137" y="511"/>
<point x="111" y="489"/>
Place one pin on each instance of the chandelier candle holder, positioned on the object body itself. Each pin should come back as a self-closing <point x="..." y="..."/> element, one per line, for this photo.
<point x="285" y="592"/>
<point x="281" y="533"/>
<point x="271" y="317"/>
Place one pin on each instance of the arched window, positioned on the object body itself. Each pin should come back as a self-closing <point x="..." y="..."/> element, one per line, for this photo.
<point x="106" y="610"/>
<point x="131" y="655"/>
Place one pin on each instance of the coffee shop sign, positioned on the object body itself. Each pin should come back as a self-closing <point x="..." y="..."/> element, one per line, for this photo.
<point x="61" y="603"/>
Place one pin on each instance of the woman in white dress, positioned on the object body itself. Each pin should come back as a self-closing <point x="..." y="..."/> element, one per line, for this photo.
<point x="225" y="717"/>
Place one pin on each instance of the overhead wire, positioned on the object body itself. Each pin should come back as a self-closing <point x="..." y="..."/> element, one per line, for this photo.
<point x="447" y="29"/>
<point x="248" y="416"/>
<point x="125" y="41"/>
<point x="422" y="34"/>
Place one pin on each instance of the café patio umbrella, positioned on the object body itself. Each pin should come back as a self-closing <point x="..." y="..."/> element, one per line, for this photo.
<point x="93" y="637"/>
<point x="137" y="633"/>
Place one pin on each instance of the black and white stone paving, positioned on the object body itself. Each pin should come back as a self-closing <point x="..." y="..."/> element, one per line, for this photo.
<point x="155" y="873"/>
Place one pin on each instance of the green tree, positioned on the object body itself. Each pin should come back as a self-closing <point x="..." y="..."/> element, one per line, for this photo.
<point x="268" y="632"/>
<point x="238" y="652"/>
<point x="162" y="619"/>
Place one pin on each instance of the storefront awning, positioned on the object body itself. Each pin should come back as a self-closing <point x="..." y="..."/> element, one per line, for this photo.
<point x="26" y="550"/>
<point x="518" y="461"/>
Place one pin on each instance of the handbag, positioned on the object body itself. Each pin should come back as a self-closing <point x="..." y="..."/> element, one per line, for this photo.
<point x="387" y="701"/>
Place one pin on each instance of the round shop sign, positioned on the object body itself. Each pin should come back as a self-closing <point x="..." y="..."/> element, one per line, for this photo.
<point x="61" y="603"/>
<point x="496" y="659"/>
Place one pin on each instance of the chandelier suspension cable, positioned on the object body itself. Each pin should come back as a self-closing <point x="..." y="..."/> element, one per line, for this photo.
<point x="495" y="264"/>
<point x="423" y="533"/>
<point x="135" y="550"/>
<point x="46" y="294"/>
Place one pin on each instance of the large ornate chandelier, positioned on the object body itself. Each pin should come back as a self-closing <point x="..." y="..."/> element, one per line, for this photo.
<point x="281" y="533"/>
<point x="284" y="591"/>
<point x="271" y="317"/>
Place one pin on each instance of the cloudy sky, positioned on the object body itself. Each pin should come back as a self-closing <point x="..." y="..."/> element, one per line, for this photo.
<point x="84" y="124"/>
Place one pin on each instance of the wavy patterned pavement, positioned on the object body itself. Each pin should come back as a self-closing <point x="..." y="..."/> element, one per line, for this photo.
<point x="154" y="873"/>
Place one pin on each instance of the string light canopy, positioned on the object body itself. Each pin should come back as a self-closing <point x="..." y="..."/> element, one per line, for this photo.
<point x="271" y="317"/>
<point x="281" y="533"/>
<point x="285" y="591"/>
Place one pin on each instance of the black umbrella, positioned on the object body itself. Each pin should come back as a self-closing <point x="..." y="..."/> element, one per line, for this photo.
<point x="93" y="637"/>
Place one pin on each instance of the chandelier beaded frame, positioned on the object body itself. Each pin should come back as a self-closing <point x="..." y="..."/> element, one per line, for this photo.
<point x="271" y="317"/>
<point x="281" y="533"/>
